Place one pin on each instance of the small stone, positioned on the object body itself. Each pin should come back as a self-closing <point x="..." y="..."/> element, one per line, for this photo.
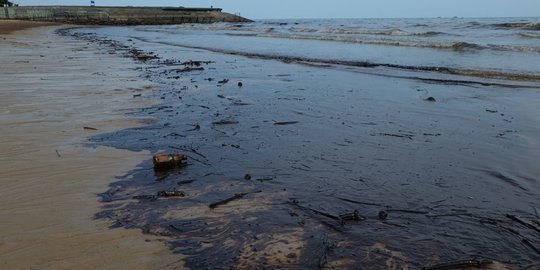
<point x="383" y="215"/>
<point x="247" y="176"/>
<point x="432" y="99"/>
<point x="240" y="84"/>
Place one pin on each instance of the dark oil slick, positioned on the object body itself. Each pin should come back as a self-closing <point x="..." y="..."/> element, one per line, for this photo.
<point x="349" y="167"/>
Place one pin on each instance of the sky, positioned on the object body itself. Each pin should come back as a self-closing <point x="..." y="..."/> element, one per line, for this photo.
<point x="286" y="9"/>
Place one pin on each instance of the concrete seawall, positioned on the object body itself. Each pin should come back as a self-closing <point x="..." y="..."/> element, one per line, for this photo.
<point x="118" y="15"/>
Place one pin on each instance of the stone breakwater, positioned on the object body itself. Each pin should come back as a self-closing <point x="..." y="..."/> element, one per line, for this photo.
<point x="118" y="15"/>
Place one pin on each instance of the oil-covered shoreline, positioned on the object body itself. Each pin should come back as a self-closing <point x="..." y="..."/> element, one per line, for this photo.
<point x="305" y="166"/>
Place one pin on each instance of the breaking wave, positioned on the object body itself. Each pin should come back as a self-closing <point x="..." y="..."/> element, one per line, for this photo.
<point x="530" y="34"/>
<point x="455" y="46"/>
<point x="519" y="25"/>
<point x="487" y="74"/>
<point x="344" y="31"/>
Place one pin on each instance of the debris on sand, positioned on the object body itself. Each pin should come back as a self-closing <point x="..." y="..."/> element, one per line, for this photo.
<point x="224" y="81"/>
<point x="352" y="216"/>
<point x="225" y="122"/>
<point x="89" y="128"/>
<point x="169" y="161"/>
<point x="196" y="63"/>
<point x="235" y="197"/>
<point x="283" y="123"/>
<point x="144" y="57"/>
<point x="168" y="194"/>
<point x="189" y="69"/>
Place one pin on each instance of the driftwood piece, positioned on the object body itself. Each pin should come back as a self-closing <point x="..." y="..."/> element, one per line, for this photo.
<point x="230" y="199"/>
<point x="283" y="123"/>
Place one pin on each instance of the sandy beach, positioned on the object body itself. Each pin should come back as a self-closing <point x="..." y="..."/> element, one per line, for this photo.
<point x="305" y="150"/>
<point x="51" y="88"/>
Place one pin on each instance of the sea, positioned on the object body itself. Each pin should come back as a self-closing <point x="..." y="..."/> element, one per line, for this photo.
<point x="336" y="143"/>
<point x="501" y="48"/>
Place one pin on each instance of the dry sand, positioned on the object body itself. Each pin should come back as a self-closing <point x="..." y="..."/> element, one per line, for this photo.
<point x="50" y="88"/>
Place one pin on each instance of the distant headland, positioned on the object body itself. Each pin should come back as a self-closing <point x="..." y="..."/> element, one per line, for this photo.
<point x="118" y="15"/>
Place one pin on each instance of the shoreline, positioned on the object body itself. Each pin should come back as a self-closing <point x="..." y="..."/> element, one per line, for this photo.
<point x="275" y="161"/>
<point x="52" y="87"/>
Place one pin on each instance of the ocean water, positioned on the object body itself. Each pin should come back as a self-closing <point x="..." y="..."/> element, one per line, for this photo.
<point x="502" y="48"/>
<point x="332" y="117"/>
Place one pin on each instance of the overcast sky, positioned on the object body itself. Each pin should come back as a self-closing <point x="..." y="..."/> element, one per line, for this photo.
<point x="267" y="9"/>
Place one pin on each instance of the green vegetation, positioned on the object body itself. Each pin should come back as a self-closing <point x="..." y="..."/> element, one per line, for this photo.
<point x="5" y="2"/>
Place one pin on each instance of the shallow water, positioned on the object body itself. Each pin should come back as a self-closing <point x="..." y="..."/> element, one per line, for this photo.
<point x="322" y="139"/>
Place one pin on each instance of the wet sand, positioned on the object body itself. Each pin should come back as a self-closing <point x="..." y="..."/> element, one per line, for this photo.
<point x="51" y="88"/>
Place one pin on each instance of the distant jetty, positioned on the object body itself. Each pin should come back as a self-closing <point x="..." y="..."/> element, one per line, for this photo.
<point x="118" y="15"/>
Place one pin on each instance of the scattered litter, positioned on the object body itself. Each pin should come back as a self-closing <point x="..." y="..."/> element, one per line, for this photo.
<point x="225" y="122"/>
<point x="168" y="161"/>
<point x="89" y="128"/>
<point x="144" y="57"/>
<point x="168" y="194"/>
<point x="352" y="216"/>
<point x="189" y="69"/>
<point x="185" y="182"/>
<point x="196" y="63"/>
<point x="286" y="123"/>
<point x="235" y="197"/>
<point x="408" y="136"/>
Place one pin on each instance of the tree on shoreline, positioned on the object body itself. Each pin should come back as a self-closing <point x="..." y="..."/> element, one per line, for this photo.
<point x="5" y="2"/>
